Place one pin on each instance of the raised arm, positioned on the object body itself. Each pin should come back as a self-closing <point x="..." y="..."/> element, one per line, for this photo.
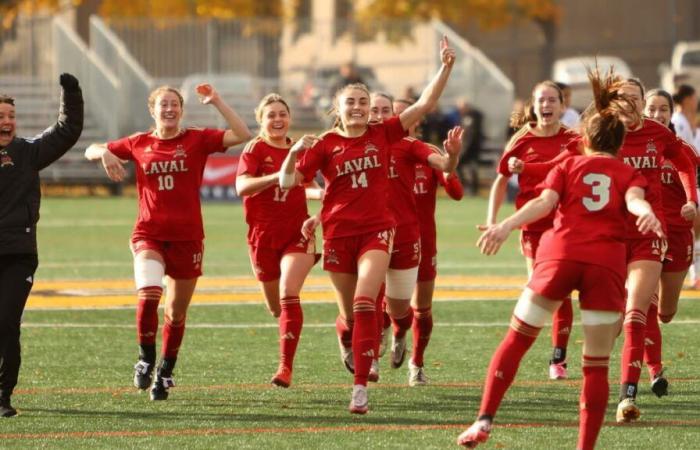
<point x="495" y="235"/>
<point x="453" y="146"/>
<point x="59" y="138"/>
<point x="431" y="94"/>
<point x="288" y="175"/>
<point x="238" y="131"/>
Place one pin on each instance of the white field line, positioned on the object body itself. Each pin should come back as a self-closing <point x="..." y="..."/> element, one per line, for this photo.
<point x="246" y="326"/>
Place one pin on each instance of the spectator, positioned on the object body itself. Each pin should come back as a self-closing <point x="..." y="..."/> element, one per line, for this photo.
<point x="471" y="119"/>
<point x="347" y="74"/>
<point x="570" y="117"/>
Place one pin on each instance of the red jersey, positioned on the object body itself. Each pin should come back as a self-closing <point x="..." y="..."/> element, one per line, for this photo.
<point x="168" y="178"/>
<point x="405" y="154"/>
<point x="672" y="193"/>
<point x="274" y="215"/>
<point x="589" y="224"/>
<point x="529" y="148"/>
<point x="425" y="191"/>
<point x="646" y="149"/>
<point x="356" y="175"/>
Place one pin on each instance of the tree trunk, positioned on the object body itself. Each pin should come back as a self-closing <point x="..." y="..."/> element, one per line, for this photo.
<point x="548" y="50"/>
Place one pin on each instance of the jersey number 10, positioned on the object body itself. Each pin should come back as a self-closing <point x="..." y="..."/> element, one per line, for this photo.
<point x="600" y="188"/>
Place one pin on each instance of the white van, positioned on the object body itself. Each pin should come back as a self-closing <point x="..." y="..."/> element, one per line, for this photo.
<point x="684" y="68"/>
<point x="574" y="72"/>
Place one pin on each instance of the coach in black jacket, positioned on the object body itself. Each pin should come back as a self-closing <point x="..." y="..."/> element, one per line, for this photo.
<point x="21" y="160"/>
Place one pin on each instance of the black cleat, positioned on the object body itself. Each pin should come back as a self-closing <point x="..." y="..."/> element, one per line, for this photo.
<point x="6" y="409"/>
<point x="159" y="391"/>
<point x="143" y="375"/>
<point x="659" y="385"/>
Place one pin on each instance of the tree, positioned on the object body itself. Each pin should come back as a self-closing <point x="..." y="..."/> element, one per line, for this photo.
<point x="488" y="14"/>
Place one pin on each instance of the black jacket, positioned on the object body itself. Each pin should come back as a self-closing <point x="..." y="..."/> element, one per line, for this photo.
<point x="20" y="163"/>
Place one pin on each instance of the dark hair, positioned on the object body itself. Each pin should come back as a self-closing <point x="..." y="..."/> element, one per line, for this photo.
<point x="637" y="82"/>
<point x="603" y="128"/>
<point x="7" y="99"/>
<point x="562" y="86"/>
<point x="682" y="92"/>
<point x="519" y="119"/>
<point x="669" y="99"/>
<point x="338" y="123"/>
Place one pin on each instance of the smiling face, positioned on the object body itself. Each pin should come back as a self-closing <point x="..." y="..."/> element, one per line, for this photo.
<point x="274" y="121"/>
<point x="353" y="107"/>
<point x="658" y="108"/>
<point x="548" y="105"/>
<point x="635" y="96"/>
<point x="380" y="109"/>
<point x="167" y="110"/>
<point x="8" y="124"/>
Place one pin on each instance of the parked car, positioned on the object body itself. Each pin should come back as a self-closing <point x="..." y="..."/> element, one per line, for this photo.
<point x="574" y="72"/>
<point x="684" y="67"/>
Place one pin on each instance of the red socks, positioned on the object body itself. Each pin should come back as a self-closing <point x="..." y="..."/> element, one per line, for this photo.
<point x="632" y="351"/>
<point x="422" y="327"/>
<point x="290" y="322"/>
<point x="594" y="400"/>
<point x="402" y="324"/>
<point x="343" y="327"/>
<point x="363" y="337"/>
<point x="379" y="315"/>
<point x="652" y="339"/>
<point x="172" y="338"/>
<point x="561" y="328"/>
<point x="504" y="364"/>
<point x="147" y="314"/>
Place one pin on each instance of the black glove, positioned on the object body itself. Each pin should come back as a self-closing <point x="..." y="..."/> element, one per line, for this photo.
<point x="69" y="82"/>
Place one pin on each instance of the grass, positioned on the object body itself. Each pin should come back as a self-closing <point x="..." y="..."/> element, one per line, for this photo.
<point x="75" y="389"/>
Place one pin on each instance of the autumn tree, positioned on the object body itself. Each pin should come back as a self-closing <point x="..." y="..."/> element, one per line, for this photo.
<point x="488" y="14"/>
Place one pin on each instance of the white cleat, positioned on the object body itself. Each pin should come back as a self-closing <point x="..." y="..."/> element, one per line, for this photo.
<point x="359" y="404"/>
<point x="374" y="371"/>
<point x="398" y="352"/>
<point x="346" y="356"/>
<point x="416" y="375"/>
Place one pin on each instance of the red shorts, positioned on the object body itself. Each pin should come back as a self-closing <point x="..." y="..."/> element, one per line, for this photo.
<point x="427" y="269"/>
<point x="646" y="249"/>
<point x="530" y="242"/>
<point x="405" y="255"/>
<point x="183" y="259"/>
<point x="266" y="261"/>
<point x="679" y="255"/>
<point x="600" y="288"/>
<point x="341" y="254"/>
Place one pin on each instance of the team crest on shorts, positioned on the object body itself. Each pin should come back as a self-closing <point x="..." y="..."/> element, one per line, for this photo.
<point x="330" y="257"/>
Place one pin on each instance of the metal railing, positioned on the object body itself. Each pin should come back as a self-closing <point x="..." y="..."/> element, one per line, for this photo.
<point x="135" y="82"/>
<point x="101" y="87"/>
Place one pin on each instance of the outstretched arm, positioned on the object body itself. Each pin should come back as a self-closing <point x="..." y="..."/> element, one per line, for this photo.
<point x="63" y="135"/>
<point x="288" y="175"/>
<point x="238" y="131"/>
<point x="111" y="163"/>
<point x="646" y="220"/>
<point x="453" y="146"/>
<point x="431" y="94"/>
<point x="248" y="185"/>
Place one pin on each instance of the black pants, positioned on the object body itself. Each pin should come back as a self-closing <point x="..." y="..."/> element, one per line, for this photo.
<point x="16" y="281"/>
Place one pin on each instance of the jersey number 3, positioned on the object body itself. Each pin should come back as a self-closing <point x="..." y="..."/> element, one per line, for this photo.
<point x="600" y="188"/>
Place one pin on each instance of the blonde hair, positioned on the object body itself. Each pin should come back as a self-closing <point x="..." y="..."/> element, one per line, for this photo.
<point x="338" y="123"/>
<point x="161" y="90"/>
<point x="268" y="100"/>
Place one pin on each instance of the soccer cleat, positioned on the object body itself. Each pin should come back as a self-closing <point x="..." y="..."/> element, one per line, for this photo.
<point x="398" y="352"/>
<point x="160" y="388"/>
<point x="416" y="375"/>
<point x="627" y="411"/>
<point x="143" y="375"/>
<point x="476" y="434"/>
<point x="6" y="409"/>
<point x="384" y="342"/>
<point x="659" y="385"/>
<point x="347" y="357"/>
<point x="374" y="371"/>
<point x="359" y="403"/>
<point x="283" y="377"/>
<point x="557" y="371"/>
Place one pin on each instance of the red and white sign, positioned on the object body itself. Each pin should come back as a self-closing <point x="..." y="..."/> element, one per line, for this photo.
<point x="220" y="171"/>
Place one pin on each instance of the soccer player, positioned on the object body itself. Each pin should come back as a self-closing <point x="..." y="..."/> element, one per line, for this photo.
<point x="358" y="228"/>
<point x="584" y="250"/>
<point x="405" y="256"/>
<point x="168" y="238"/>
<point x="541" y="137"/>
<point x="280" y="255"/>
<point x="21" y="159"/>
<point x="679" y="256"/>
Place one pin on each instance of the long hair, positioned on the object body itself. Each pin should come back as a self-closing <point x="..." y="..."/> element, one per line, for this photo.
<point x="520" y="119"/>
<point x="338" y="123"/>
<point x="682" y="92"/>
<point x="669" y="99"/>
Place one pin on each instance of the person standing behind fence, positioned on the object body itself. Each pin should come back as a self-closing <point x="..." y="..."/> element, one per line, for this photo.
<point x="168" y="235"/>
<point x="280" y="255"/>
<point x="21" y="160"/>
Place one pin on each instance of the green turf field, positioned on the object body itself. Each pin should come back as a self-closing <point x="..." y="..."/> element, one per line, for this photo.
<point x="75" y="382"/>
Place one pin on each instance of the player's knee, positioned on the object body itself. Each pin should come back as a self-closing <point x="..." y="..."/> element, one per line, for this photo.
<point x="401" y="283"/>
<point x="532" y="314"/>
<point x="175" y="318"/>
<point x="594" y="318"/>
<point x="274" y="311"/>
<point x="148" y="272"/>
<point x="667" y="318"/>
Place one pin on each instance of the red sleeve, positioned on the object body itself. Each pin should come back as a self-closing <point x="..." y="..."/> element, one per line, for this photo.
<point x="394" y="130"/>
<point x="556" y="179"/>
<point x="248" y="163"/>
<point x="685" y="166"/>
<point x="121" y="148"/>
<point x="540" y="170"/>
<point x="452" y="184"/>
<point x="638" y="180"/>
<point x="212" y="140"/>
<point x="311" y="160"/>
<point x="420" y="152"/>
